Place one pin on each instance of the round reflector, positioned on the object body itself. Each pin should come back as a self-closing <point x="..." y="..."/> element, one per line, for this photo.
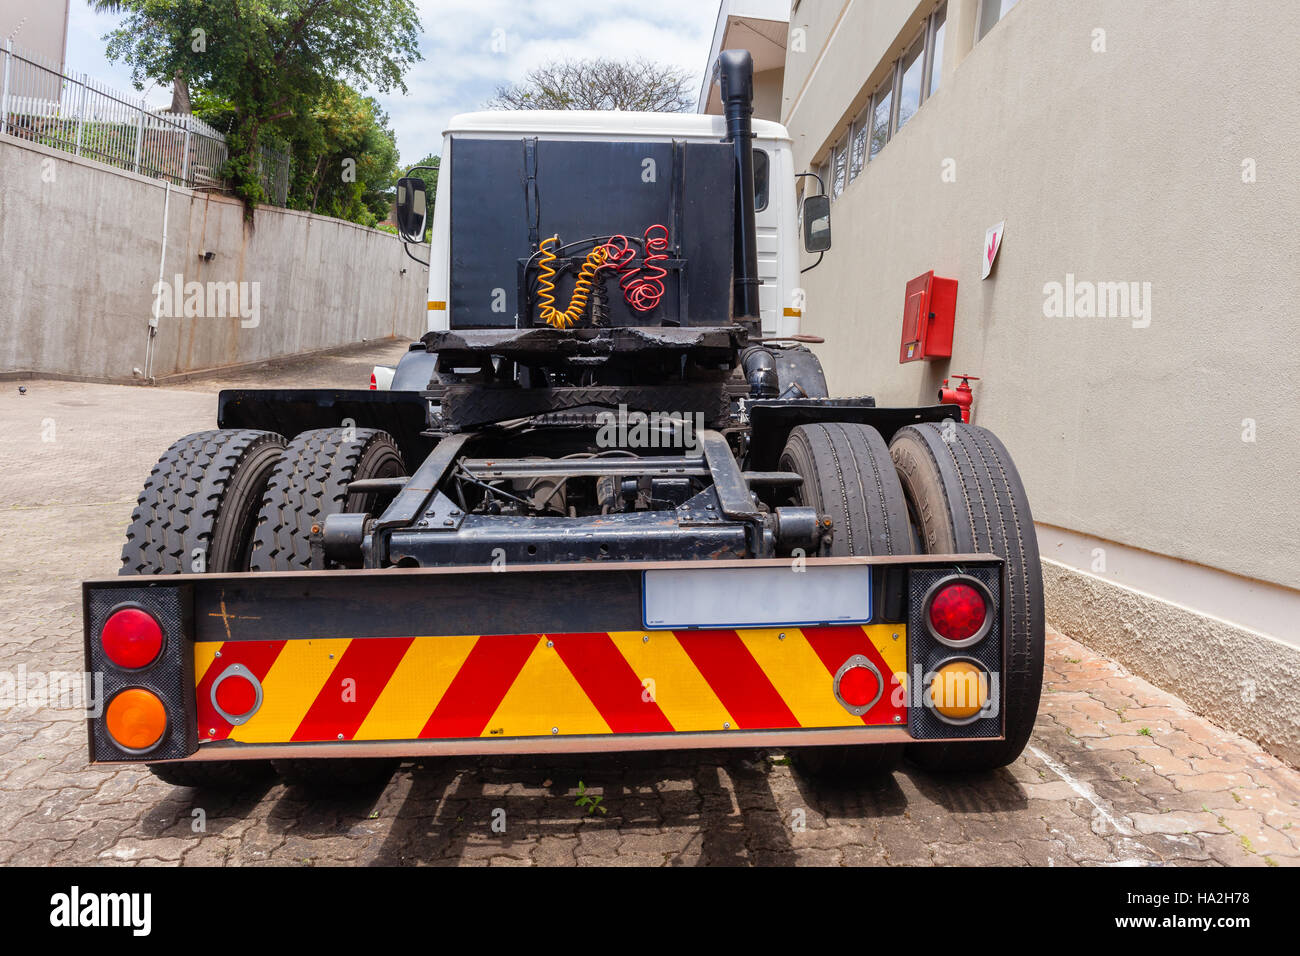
<point x="136" y="719"/>
<point x="236" y="695"/>
<point x="858" y="686"/>
<point x="959" y="613"/>
<point x="131" y="638"/>
<point x="959" y="690"/>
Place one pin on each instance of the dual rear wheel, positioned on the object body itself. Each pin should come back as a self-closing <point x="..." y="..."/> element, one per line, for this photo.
<point x="944" y="488"/>
<point x="240" y="500"/>
<point x="235" y="500"/>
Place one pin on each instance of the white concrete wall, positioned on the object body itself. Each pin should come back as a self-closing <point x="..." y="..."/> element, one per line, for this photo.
<point x="79" y="256"/>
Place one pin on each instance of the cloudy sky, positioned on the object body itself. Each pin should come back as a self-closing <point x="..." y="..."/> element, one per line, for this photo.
<point x="472" y="46"/>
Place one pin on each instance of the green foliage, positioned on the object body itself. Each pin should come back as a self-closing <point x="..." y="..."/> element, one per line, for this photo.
<point x="214" y="110"/>
<point x="590" y="801"/>
<point x="430" y="177"/>
<point x="269" y="64"/>
<point x="346" y="158"/>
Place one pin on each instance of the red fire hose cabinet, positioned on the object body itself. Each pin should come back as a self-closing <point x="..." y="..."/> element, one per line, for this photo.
<point x="928" y="315"/>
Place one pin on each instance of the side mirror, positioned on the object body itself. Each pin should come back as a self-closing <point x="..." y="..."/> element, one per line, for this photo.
<point x="412" y="209"/>
<point x="817" y="223"/>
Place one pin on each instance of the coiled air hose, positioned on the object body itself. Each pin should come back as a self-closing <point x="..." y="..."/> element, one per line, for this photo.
<point x="643" y="286"/>
<point x="581" y="288"/>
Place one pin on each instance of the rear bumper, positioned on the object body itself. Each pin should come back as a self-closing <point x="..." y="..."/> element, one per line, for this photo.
<point x="578" y="744"/>
<point x="540" y="659"/>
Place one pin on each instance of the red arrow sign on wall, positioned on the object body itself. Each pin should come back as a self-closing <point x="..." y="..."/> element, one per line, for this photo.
<point x="992" y="243"/>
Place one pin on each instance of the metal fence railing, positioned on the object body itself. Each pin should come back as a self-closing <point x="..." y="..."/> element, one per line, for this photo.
<point x="41" y="103"/>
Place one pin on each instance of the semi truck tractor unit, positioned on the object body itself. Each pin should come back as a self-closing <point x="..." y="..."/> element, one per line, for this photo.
<point x="605" y="504"/>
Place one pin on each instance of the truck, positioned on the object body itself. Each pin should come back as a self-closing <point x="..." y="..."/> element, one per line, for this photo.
<point x="606" y="504"/>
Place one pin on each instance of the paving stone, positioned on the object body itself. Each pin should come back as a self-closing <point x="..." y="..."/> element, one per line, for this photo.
<point x="1187" y="792"/>
<point x="554" y="851"/>
<point x="1178" y="823"/>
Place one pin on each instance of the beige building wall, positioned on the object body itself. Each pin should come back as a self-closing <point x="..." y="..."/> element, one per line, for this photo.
<point x="767" y="95"/>
<point x="1127" y="142"/>
<point x="38" y="26"/>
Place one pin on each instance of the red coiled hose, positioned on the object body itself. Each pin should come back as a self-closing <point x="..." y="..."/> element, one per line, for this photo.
<point x="643" y="286"/>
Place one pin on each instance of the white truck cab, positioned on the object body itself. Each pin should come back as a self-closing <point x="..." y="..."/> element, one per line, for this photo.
<point x="776" y="207"/>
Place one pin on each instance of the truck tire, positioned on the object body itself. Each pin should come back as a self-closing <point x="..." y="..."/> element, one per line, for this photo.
<point x="966" y="496"/>
<point x="310" y="482"/>
<point x="848" y="475"/>
<point x="203" y="496"/>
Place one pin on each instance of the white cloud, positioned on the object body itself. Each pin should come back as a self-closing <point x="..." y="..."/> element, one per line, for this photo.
<point x="86" y="55"/>
<point x="465" y="60"/>
<point x="463" y="65"/>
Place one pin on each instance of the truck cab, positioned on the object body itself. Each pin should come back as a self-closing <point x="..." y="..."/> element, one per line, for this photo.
<point x="776" y="209"/>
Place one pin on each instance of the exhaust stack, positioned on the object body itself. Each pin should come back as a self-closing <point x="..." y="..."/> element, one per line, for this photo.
<point x="736" y="77"/>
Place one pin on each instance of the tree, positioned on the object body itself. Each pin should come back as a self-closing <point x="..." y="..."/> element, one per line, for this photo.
<point x="599" y="84"/>
<point x="433" y="166"/>
<point x="180" y="86"/>
<point x="271" y="61"/>
<point x="346" y="158"/>
<point x="345" y="154"/>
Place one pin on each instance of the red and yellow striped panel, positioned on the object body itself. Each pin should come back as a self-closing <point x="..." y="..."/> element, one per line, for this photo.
<point x="525" y="685"/>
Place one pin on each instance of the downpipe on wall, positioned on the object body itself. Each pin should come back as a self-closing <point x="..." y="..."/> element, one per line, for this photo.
<point x="150" y="346"/>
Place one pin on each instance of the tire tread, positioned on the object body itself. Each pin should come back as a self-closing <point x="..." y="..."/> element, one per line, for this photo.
<point x="990" y="515"/>
<point x="310" y="483"/>
<point x="849" y="475"/>
<point x="177" y="511"/>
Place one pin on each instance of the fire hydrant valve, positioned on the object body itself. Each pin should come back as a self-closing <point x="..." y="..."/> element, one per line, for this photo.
<point x="961" y="396"/>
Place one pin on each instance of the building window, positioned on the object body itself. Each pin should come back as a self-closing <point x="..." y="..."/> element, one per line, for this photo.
<point x="912" y="68"/>
<point x="882" y="111"/>
<point x="839" y="168"/>
<point x="991" y="11"/>
<point x="911" y="80"/>
<point x="859" y="137"/>
<point x="824" y="175"/>
<point x="934" y="55"/>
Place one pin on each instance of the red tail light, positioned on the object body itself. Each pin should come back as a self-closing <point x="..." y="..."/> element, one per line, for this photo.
<point x="131" y="638"/>
<point x="374" y="385"/>
<point x="960" y="611"/>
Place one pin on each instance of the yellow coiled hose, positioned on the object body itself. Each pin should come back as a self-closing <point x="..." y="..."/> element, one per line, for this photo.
<point x="581" y="288"/>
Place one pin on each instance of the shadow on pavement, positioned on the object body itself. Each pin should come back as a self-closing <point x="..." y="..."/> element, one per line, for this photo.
<point x="221" y="809"/>
<point x="993" y="791"/>
<point x="451" y="807"/>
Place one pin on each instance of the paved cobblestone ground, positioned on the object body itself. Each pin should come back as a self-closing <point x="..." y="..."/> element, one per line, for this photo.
<point x="1118" y="772"/>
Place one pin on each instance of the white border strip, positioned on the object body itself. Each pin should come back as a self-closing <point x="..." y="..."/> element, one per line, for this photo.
<point x="1260" y="606"/>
